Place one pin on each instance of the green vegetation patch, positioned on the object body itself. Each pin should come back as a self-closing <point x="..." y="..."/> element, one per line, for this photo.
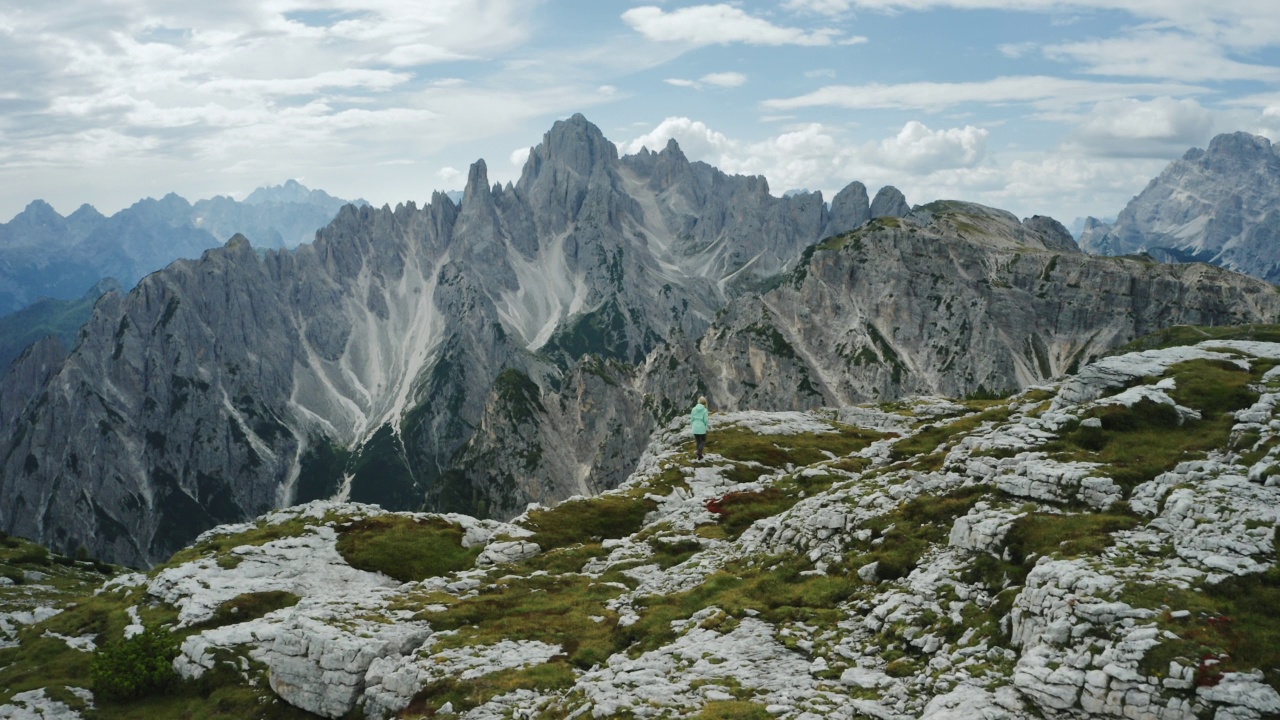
<point x="467" y="694"/>
<point x="739" y="510"/>
<point x="1066" y="535"/>
<point x="406" y="548"/>
<point x="778" y="451"/>
<point x="1140" y="442"/>
<point x="669" y="553"/>
<point x="930" y="436"/>
<point x="223" y="693"/>
<point x="733" y="710"/>
<point x="1180" y="335"/>
<point x="261" y="534"/>
<point x="551" y="609"/>
<point x="248" y="606"/>
<point x="135" y="667"/>
<point x="776" y="588"/>
<point x="65" y="576"/>
<point x="1232" y="623"/>
<point x="591" y="520"/>
<point x="900" y="538"/>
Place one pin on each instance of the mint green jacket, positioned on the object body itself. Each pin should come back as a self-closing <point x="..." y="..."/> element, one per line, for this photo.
<point x="698" y="418"/>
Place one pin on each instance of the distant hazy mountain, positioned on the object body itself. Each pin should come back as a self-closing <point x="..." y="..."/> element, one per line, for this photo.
<point x="47" y="316"/>
<point x="1220" y="205"/>
<point x="46" y="255"/>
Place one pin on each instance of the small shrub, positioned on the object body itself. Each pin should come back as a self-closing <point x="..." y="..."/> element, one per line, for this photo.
<point x="35" y="555"/>
<point x="739" y="510"/>
<point x="670" y="554"/>
<point x="900" y="668"/>
<point x="229" y="562"/>
<point x="134" y="668"/>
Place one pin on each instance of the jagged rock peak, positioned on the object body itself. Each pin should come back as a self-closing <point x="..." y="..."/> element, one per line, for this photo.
<point x="576" y="144"/>
<point x="673" y="150"/>
<point x="1238" y="143"/>
<point x="1217" y="205"/>
<point x="86" y="211"/>
<point x="39" y="207"/>
<point x="850" y="208"/>
<point x="889" y="202"/>
<point x="477" y="181"/>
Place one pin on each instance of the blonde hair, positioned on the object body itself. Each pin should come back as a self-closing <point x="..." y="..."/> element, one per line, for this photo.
<point x="702" y="400"/>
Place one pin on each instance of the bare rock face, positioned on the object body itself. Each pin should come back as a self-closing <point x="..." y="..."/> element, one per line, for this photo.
<point x="889" y="202"/>
<point x="952" y="299"/>
<point x="849" y="210"/>
<point x="1220" y="205"/>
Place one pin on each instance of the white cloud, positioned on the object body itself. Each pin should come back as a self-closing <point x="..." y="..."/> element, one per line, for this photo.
<point x="519" y="156"/>
<point x="925" y="164"/>
<point x="720" y="79"/>
<point x="1017" y="50"/>
<point x="451" y="177"/>
<point x="824" y="7"/>
<point x="720" y="24"/>
<point x="918" y="149"/>
<point x="1237" y="23"/>
<point x="1043" y="91"/>
<point x="374" y="80"/>
<point x="725" y="79"/>
<point x="698" y="141"/>
<point x="817" y="156"/>
<point x="1154" y="54"/>
<point x="1162" y="127"/>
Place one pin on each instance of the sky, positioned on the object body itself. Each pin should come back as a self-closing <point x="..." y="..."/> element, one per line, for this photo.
<point x="1064" y="108"/>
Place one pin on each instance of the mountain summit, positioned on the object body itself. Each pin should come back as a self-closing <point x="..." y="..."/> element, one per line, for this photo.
<point x="1220" y="205"/>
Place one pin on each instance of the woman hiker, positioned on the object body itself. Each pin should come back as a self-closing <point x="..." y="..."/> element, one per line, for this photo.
<point x="698" y="421"/>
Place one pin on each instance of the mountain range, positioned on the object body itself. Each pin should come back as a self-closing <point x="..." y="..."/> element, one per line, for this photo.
<point x="522" y="345"/>
<point x="46" y="255"/>
<point x="1220" y="205"/>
